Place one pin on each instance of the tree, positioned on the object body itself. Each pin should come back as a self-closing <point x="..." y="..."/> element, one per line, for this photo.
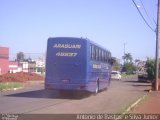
<point x="20" y="57"/>
<point x="115" y="64"/>
<point x="129" y="68"/>
<point x="127" y="57"/>
<point x="150" y="65"/>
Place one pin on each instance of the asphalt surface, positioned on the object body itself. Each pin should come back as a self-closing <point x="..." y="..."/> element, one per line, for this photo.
<point x="35" y="100"/>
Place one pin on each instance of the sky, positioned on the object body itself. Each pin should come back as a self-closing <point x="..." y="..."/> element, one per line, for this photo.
<point x="25" y="25"/>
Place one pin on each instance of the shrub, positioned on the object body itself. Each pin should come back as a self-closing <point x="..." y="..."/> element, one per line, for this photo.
<point x="129" y="68"/>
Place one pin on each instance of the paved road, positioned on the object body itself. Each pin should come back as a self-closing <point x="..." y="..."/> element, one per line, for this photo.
<point x="33" y="99"/>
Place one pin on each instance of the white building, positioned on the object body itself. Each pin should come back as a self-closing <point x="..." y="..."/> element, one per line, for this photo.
<point x="40" y="66"/>
<point x="23" y="67"/>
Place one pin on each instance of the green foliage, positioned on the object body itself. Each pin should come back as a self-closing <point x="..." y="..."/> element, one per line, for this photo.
<point x="10" y="85"/>
<point x="150" y="65"/>
<point x="129" y="68"/>
<point x="127" y="58"/>
<point x="115" y="64"/>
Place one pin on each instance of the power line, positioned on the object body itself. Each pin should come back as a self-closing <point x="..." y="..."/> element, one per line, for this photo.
<point x="147" y="13"/>
<point x="142" y="16"/>
<point x="154" y="22"/>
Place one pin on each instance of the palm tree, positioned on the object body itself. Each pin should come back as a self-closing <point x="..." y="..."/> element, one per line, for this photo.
<point x="127" y="57"/>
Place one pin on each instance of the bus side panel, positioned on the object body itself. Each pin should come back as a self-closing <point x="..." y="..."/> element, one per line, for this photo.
<point x="101" y="74"/>
<point x="97" y="71"/>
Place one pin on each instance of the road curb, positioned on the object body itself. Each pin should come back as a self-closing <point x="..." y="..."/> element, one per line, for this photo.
<point x="134" y="104"/>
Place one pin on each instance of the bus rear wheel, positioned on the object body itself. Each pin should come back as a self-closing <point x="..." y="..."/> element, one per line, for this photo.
<point x="97" y="87"/>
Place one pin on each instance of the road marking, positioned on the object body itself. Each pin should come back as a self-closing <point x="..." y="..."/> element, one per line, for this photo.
<point x="134" y="104"/>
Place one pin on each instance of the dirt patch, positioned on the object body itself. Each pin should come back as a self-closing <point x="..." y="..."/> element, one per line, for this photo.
<point x="20" y="77"/>
<point x="151" y="105"/>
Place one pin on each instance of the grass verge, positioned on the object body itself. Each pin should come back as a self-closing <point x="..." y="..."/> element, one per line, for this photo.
<point x="132" y="105"/>
<point x="128" y="76"/>
<point x="10" y="86"/>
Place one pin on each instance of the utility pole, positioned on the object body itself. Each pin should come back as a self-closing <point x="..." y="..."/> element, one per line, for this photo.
<point x="157" y="48"/>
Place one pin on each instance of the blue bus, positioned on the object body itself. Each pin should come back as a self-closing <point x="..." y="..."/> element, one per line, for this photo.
<point x="77" y="64"/>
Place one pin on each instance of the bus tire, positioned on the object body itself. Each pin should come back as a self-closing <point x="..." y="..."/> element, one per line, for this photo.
<point x="97" y="87"/>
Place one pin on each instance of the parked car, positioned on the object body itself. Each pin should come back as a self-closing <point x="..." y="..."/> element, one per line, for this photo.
<point x="116" y="75"/>
<point x="143" y="77"/>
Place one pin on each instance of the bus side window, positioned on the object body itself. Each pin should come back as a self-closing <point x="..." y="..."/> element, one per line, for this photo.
<point x="93" y="52"/>
<point x="100" y="55"/>
<point x="103" y="56"/>
<point x="107" y="56"/>
<point x="97" y="53"/>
